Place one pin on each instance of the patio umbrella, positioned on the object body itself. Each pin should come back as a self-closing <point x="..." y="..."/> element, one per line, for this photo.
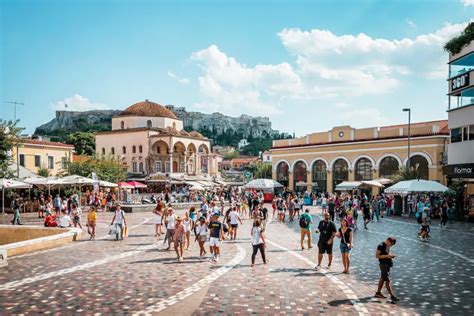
<point x="75" y="179"/>
<point x="263" y="184"/>
<point x="416" y="186"/>
<point x="45" y="182"/>
<point x="137" y="185"/>
<point x="373" y="183"/>
<point x="107" y="184"/>
<point x="196" y="187"/>
<point x="348" y="185"/>
<point x="11" y="184"/>
<point x="125" y="185"/>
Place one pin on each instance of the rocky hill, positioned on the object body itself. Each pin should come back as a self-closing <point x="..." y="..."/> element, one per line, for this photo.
<point x="217" y="124"/>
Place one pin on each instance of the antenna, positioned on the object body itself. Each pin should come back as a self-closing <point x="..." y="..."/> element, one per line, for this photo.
<point x="15" y="104"/>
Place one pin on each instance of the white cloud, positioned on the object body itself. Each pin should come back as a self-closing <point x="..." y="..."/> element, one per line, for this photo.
<point x="323" y="68"/>
<point x="175" y="77"/>
<point x="468" y="2"/>
<point x="78" y="103"/>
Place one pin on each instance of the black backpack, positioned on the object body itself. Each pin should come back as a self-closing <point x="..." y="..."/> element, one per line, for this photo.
<point x="303" y="222"/>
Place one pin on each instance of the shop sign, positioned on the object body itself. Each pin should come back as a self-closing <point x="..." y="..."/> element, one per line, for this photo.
<point x="459" y="82"/>
<point x="460" y="171"/>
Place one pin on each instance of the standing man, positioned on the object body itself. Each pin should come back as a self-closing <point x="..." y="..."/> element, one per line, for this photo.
<point x="385" y="262"/>
<point x="263" y="213"/>
<point x="305" y="228"/>
<point x="331" y="209"/>
<point x="216" y="236"/>
<point x="170" y="221"/>
<point x="16" y="206"/>
<point x="327" y="230"/>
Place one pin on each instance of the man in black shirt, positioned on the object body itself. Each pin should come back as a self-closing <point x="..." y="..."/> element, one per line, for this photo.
<point x="385" y="263"/>
<point x="327" y="230"/>
<point x="366" y="212"/>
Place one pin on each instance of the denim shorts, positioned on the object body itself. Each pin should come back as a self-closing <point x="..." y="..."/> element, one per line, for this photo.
<point x="344" y="248"/>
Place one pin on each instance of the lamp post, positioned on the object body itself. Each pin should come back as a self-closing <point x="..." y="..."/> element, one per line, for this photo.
<point x="409" y="134"/>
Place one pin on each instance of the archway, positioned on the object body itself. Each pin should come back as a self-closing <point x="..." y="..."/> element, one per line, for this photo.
<point x="420" y="164"/>
<point x="388" y="167"/>
<point x="282" y="173"/>
<point x="299" y="175"/>
<point x="363" y="169"/>
<point x="340" y="170"/>
<point x="179" y="154"/>
<point x="203" y="151"/>
<point x="320" y="175"/>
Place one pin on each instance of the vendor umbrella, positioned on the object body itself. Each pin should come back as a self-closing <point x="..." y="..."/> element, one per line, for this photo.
<point x="416" y="186"/>
<point x="137" y="185"/>
<point x="125" y="185"/>
<point x="11" y="184"/>
<point x="263" y="184"/>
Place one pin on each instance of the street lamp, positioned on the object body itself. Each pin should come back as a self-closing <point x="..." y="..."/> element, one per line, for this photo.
<point x="409" y="134"/>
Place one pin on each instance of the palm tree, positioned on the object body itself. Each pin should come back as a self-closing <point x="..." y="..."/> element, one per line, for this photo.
<point x="405" y="173"/>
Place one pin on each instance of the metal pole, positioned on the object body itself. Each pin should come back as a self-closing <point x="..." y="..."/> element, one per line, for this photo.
<point x="409" y="135"/>
<point x="3" y="205"/>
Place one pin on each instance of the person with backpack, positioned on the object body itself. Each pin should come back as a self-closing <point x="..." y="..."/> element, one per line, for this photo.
<point x="305" y="228"/>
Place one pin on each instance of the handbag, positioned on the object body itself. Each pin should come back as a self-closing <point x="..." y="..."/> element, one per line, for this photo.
<point x="125" y="231"/>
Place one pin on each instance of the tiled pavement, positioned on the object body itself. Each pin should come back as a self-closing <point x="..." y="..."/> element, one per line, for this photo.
<point x="136" y="275"/>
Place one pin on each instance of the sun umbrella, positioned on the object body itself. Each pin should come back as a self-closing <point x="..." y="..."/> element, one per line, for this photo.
<point x="11" y="184"/>
<point x="75" y="179"/>
<point x="348" y="185"/>
<point x="107" y="184"/>
<point x="263" y="184"/>
<point x="196" y="187"/>
<point x="137" y="185"/>
<point x="125" y="185"/>
<point x="45" y="182"/>
<point x="416" y="186"/>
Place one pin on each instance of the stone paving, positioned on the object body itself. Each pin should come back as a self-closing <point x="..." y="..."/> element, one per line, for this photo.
<point x="137" y="276"/>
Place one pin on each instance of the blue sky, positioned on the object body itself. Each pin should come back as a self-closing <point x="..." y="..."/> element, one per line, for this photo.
<point x="308" y="65"/>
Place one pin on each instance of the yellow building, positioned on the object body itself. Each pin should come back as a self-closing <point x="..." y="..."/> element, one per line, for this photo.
<point x="34" y="154"/>
<point x="321" y="160"/>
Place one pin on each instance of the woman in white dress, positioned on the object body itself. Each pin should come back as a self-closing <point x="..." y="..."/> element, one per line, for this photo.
<point x="187" y="222"/>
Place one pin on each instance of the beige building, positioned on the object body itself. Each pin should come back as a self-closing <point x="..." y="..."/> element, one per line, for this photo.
<point x="149" y="138"/>
<point x="36" y="154"/>
<point x="321" y="160"/>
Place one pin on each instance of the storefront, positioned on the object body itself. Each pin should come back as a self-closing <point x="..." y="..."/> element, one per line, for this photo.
<point x="463" y="174"/>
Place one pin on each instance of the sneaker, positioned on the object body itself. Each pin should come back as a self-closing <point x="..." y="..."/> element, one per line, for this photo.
<point x="318" y="267"/>
<point x="394" y="298"/>
<point x="328" y="267"/>
<point x="379" y="295"/>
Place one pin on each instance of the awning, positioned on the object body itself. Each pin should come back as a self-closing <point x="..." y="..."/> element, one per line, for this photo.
<point x="373" y="183"/>
<point x="416" y="186"/>
<point x="348" y="185"/>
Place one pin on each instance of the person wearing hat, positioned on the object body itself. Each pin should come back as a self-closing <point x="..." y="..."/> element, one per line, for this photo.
<point x="179" y="234"/>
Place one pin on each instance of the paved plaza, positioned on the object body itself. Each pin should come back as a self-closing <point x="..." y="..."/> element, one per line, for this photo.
<point x="137" y="275"/>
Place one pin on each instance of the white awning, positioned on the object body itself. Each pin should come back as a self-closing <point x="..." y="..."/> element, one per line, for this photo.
<point x="348" y="185"/>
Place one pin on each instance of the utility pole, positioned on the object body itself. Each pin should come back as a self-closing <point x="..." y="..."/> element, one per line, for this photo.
<point x="17" y="154"/>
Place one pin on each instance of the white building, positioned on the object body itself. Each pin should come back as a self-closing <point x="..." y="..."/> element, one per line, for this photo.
<point x="243" y="143"/>
<point x="149" y="138"/>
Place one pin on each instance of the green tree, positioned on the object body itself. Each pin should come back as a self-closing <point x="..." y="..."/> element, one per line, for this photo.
<point x="455" y="45"/>
<point x="84" y="142"/>
<point x="261" y="170"/>
<point x="106" y="168"/>
<point x="9" y="138"/>
<point x="405" y="173"/>
<point x="43" y="172"/>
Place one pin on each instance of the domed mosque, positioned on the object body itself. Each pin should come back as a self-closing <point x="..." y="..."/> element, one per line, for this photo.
<point x="149" y="139"/>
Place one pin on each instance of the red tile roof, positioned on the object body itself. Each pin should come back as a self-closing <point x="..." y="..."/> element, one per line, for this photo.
<point x="45" y="143"/>
<point x="148" y="108"/>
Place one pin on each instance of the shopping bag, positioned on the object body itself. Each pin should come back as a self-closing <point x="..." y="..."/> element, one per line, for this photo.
<point x="125" y="231"/>
<point x="113" y="230"/>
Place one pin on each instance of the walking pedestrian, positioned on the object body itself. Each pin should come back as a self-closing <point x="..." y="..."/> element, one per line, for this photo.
<point x="179" y="236"/>
<point x="385" y="263"/>
<point x="345" y="233"/>
<point x="16" y="206"/>
<point x="305" y="228"/>
<point x="234" y="222"/>
<point x="216" y="236"/>
<point x="120" y="222"/>
<point x="187" y="222"/>
<point x="327" y="231"/>
<point x="201" y="236"/>
<point x="170" y="222"/>
<point x="258" y="242"/>
<point x="331" y="209"/>
<point x="91" y="222"/>
<point x="444" y="214"/>
<point x="366" y="212"/>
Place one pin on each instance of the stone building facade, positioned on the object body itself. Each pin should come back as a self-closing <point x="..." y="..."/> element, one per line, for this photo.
<point x="322" y="160"/>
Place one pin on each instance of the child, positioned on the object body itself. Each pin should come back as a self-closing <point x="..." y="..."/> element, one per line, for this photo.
<point x="91" y="222"/>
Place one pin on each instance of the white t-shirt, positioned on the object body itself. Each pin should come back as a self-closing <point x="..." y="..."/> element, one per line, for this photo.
<point x="256" y="234"/>
<point x="202" y="230"/>
<point x="171" y="221"/>
<point x="234" y="217"/>
<point x="187" y="224"/>
<point x="64" y="221"/>
<point x="118" y="216"/>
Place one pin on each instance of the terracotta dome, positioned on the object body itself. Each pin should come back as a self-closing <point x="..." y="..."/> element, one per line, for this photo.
<point x="196" y="134"/>
<point x="148" y="108"/>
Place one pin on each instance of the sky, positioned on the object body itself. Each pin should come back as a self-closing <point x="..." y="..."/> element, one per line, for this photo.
<point x="308" y="65"/>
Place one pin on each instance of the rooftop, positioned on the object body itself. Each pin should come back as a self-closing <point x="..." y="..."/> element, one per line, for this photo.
<point x="148" y="108"/>
<point x="45" y="143"/>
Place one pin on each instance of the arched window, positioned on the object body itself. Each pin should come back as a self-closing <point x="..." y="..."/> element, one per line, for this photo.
<point x="134" y="149"/>
<point x="103" y="151"/>
<point x="122" y="125"/>
<point x="363" y="169"/>
<point x="112" y="151"/>
<point x="140" y="149"/>
<point x="299" y="175"/>
<point x="340" y="171"/>
<point x="320" y="176"/>
<point x="420" y="164"/>
<point x="148" y="124"/>
<point x="124" y="150"/>
<point x="282" y="173"/>
<point x="140" y="167"/>
<point x="388" y="167"/>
